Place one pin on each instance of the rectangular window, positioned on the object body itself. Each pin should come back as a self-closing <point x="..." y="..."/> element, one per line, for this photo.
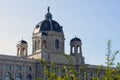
<point x="18" y="68"/>
<point x="28" y="69"/>
<point x="8" y="67"/>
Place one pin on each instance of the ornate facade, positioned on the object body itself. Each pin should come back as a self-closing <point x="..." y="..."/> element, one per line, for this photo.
<point x="47" y="44"/>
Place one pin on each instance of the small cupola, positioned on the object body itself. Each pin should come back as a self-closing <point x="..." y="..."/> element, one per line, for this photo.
<point x="75" y="46"/>
<point x="22" y="47"/>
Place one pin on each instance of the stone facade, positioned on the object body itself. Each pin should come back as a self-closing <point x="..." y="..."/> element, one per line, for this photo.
<point x="17" y="68"/>
<point x="47" y="44"/>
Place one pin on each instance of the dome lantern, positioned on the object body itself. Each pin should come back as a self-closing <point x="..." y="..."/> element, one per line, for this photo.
<point x="48" y="15"/>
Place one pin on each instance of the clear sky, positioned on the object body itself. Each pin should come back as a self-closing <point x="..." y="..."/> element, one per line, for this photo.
<point x="93" y="21"/>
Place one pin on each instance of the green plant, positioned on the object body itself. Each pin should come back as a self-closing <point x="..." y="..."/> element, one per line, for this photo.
<point x="110" y="57"/>
<point x="111" y="72"/>
<point x="52" y="75"/>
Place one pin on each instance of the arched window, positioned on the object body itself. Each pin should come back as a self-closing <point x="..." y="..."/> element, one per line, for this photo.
<point x="38" y="44"/>
<point x="24" y="51"/>
<point x="73" y="50"/>
<point x="44" y="44"/>
<point x="35" y="45"/>
<point x="78" y="49"/>
<point x="8" y="76"/>
<point x="29" y="77"/>
<point x="18" y="76"/>
<point x="57" y="44"/>
<point x="18" y="51"/>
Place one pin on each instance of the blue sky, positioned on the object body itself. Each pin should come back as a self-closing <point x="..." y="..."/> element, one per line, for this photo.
<point x="93" y="21"/>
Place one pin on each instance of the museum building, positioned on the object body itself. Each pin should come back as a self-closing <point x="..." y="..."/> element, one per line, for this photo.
<point x="48" y="44"/>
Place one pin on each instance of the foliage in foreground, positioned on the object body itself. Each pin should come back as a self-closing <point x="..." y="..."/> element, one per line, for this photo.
<point x="52" y="74"/>
<point x="111" y="72"/>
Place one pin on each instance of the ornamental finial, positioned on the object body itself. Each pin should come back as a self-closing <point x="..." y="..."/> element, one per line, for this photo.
<point x="48" y="15"/>
<point x="48" y="9"/>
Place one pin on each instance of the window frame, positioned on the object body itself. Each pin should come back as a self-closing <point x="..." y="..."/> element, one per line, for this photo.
<point x="57" y="44"/>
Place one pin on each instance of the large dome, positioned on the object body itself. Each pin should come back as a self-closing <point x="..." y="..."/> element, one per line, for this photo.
<point x="48" y="24"/>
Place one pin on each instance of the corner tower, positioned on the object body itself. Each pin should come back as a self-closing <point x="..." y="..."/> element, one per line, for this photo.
<point x="76" y="50"/>
<point x="48" y="36"/>
<point x="75" y="46"/>
<point x="22" y="47"/>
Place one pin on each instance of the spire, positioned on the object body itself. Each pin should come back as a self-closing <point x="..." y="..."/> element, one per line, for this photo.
<point x="48" y="15"/>
<point x="48" y="9"/>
